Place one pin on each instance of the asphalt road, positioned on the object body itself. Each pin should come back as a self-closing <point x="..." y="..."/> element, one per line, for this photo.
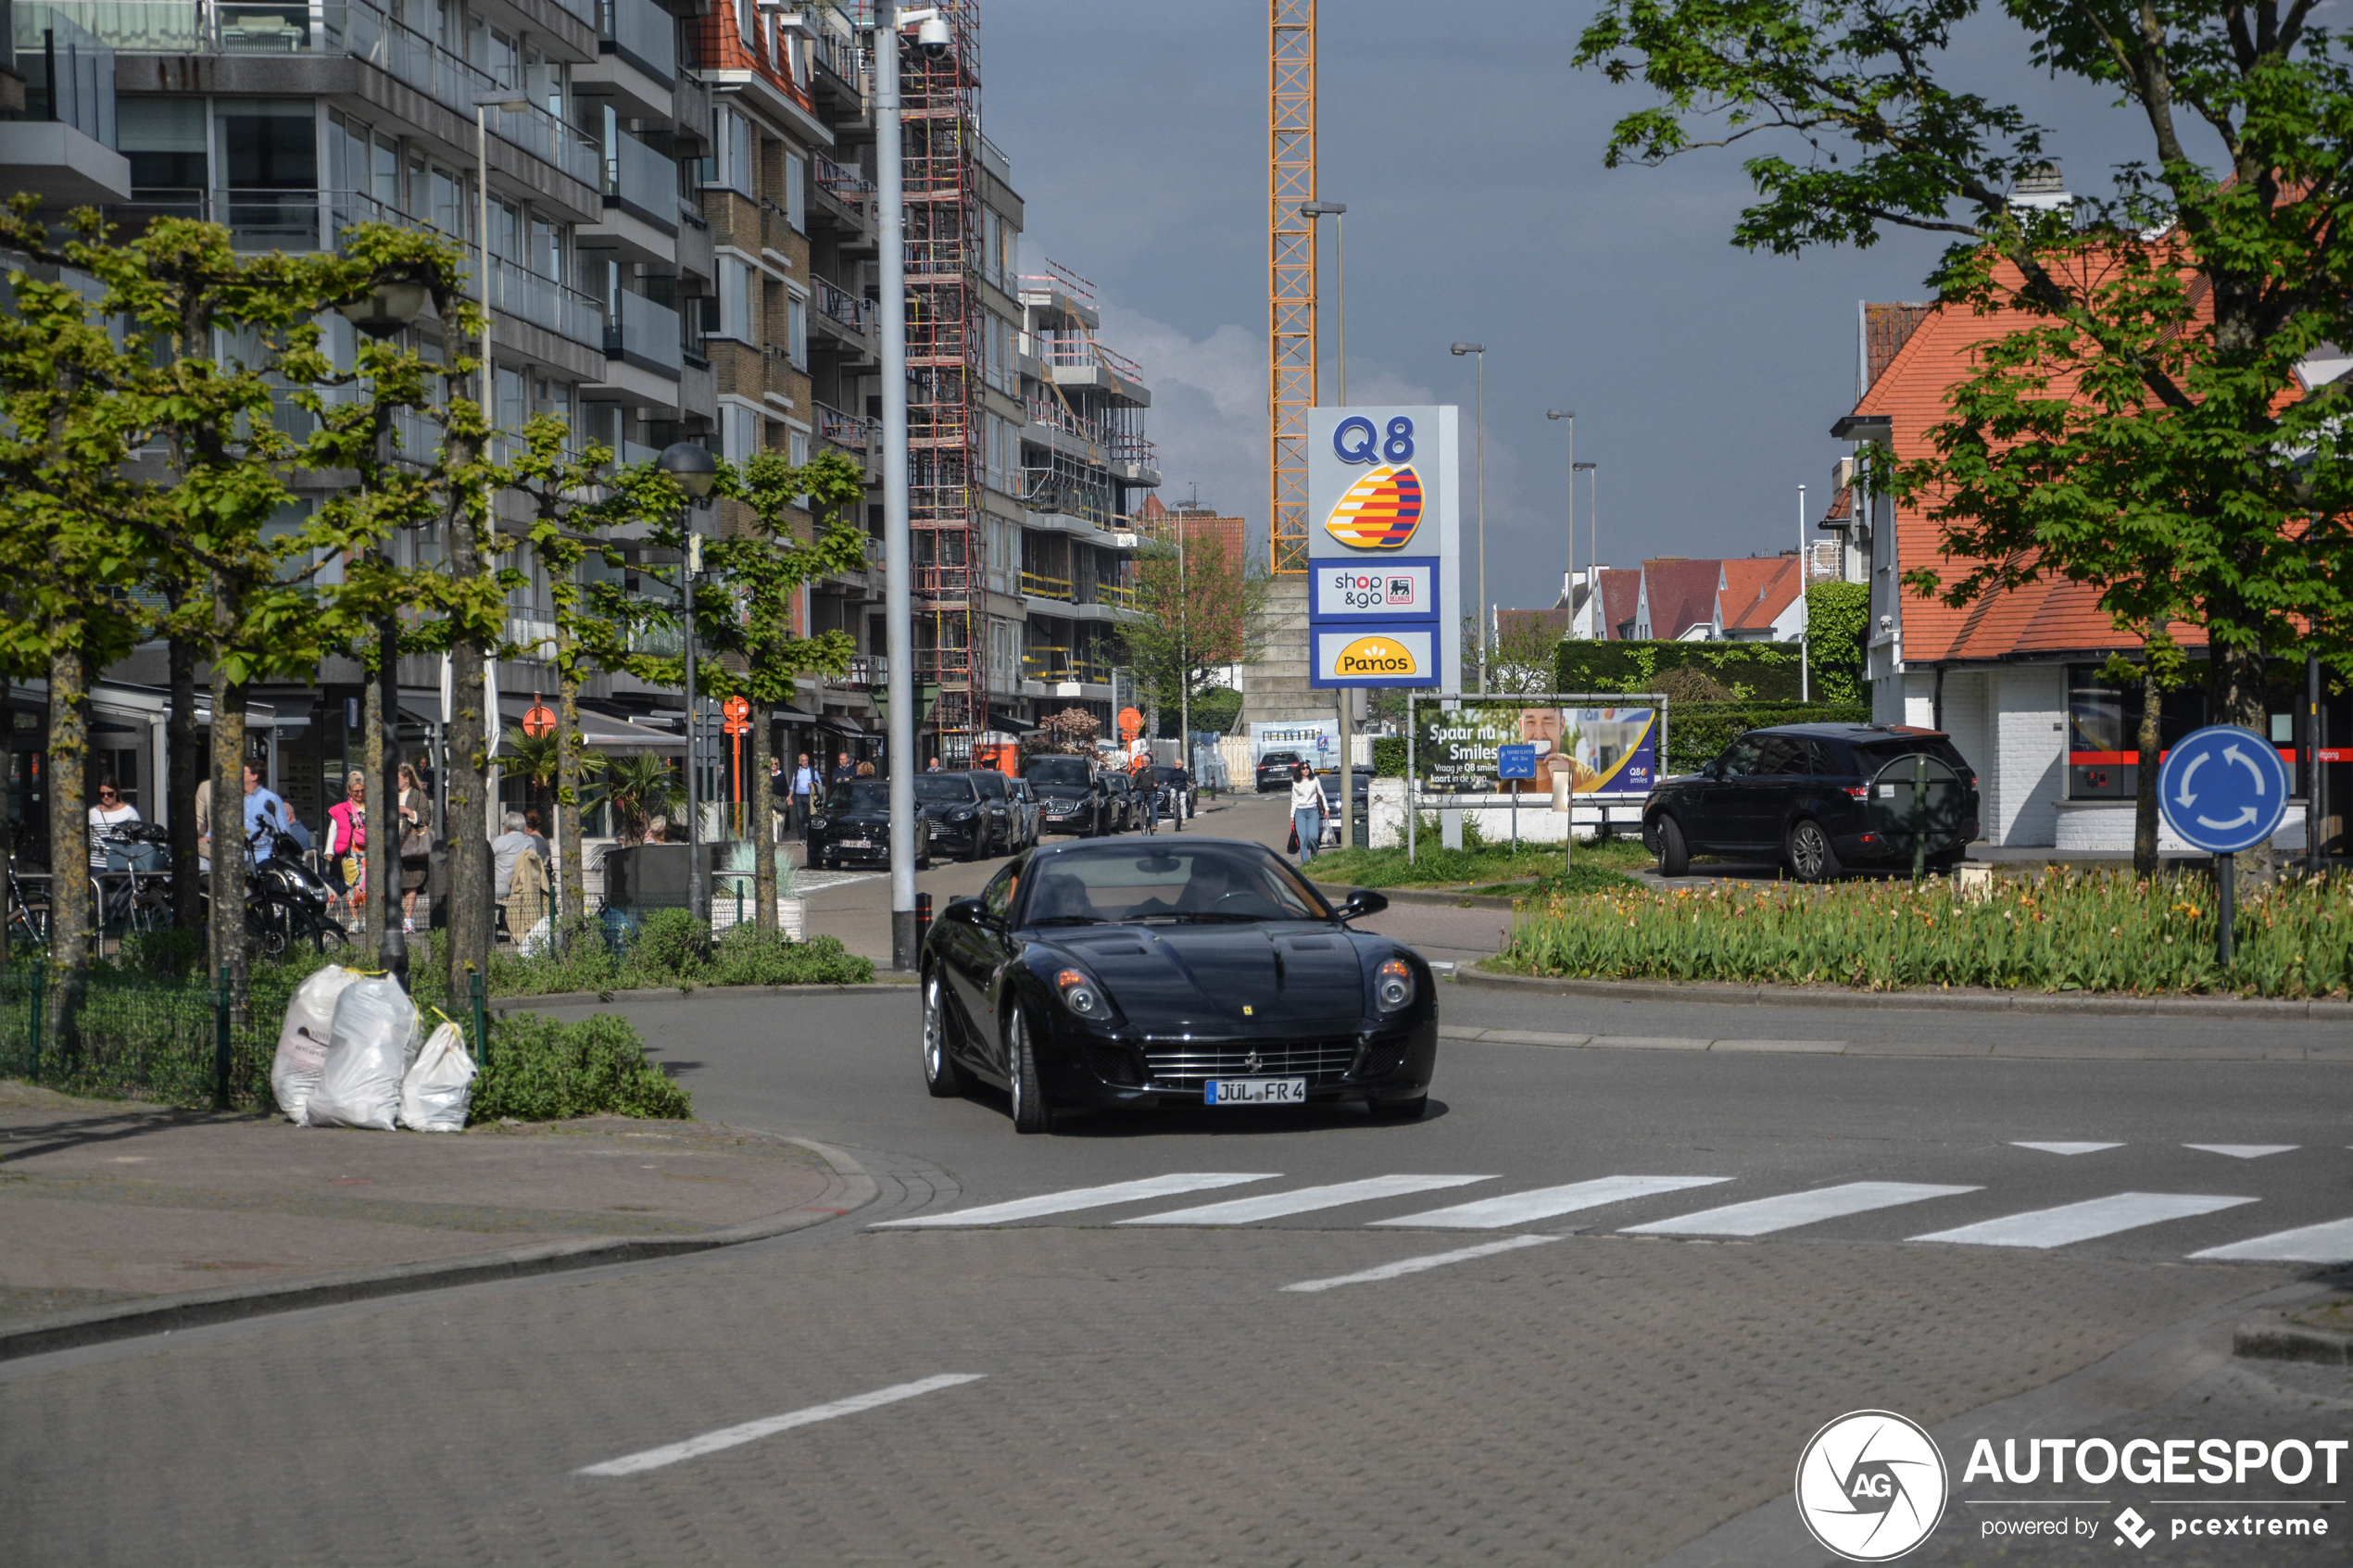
<point x="1676" y="1265"/>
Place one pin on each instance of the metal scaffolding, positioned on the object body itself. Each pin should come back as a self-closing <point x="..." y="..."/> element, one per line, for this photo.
<point x="945" y="343"/>
<point x="1291" y="272"/>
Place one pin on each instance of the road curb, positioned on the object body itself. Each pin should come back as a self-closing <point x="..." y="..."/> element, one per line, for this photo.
<point x="1422" y="896"/>
<point x="2273" y="1337"/>
<point x="681" y="993"/>
<point x="1959" y="1000"/>
<point x="850" y="1189"/>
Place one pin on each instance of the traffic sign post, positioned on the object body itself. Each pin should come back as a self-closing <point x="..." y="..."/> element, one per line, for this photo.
<point x="1515" y="763"/>
<point x="2223" y="789"/>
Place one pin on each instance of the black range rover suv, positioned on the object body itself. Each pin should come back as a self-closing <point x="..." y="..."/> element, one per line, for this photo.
<point x="1818" y="799"/>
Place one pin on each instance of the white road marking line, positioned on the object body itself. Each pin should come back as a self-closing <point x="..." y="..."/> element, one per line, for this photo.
<point x="1764" y="1215"/>
<point x="2083" y="1222"/>
<point x="752" y="1431"/>
<point x="2242" y="1150"/>
<point x="1434" y="1260"/>
<point x="1526" y="1208"/>
<point x="2068" y="1147"/>
<point x="2330" y="1243"/>
<point x="1082" y="1198"/>
<point x="1275" y="1205"/>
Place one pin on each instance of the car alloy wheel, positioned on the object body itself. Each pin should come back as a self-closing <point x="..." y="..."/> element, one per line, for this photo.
<point x="1674" y="855"/>
<point x="1811" y="858"/>
<point x="940" y="1073"/>
<point x="1031" y="1113"/>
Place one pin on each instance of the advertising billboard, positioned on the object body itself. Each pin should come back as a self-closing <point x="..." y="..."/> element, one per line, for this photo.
<point x="1383" y="531"/>
<point x="1603" y="751"/>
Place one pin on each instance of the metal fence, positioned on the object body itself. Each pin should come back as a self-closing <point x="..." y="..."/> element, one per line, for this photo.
<point x="137" y="1036"/>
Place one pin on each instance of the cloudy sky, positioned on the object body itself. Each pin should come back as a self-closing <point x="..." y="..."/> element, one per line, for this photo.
<point x="1705" y="378"/>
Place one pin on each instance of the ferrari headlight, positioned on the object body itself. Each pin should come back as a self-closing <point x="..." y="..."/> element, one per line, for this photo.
<point x="1081" y="996"/>
<point x="1393" y="986"/>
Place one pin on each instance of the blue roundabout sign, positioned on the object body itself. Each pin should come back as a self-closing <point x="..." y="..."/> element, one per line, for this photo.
<point x="2223" y="789"/>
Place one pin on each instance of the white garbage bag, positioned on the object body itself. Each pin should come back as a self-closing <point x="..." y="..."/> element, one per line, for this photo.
<point x="375" y="1038"/>
<point x="535" y="941"/>
<point x="438" y="1091"/>
<point x="303" y="1040"/>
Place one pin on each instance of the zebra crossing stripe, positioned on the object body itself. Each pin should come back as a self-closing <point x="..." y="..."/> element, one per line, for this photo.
<point x="1303" y="1201"/>
<point x="1525" y="1207"/>
<point x="2242" y="1151"/>
<point x="1766" y="1215"/>
<point x="2083" y="1222"/>
<point x="2330" y="1243"/>
<point x="1432" y="1260"/>
<point x="1081" y="1198"/>
<point x="2067" y="1148"/>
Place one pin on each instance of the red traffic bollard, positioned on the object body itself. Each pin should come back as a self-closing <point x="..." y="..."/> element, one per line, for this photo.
<point x="922" y="919"/>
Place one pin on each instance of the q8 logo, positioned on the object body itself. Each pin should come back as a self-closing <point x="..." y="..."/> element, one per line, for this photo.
<point x="1355" y="441"/>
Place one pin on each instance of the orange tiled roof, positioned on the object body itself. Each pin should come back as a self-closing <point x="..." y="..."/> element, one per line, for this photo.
<point x="1756" y="592"/>
<point x="2047" y="617"/>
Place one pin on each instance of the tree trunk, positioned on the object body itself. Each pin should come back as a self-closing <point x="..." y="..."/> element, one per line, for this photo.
<point x="2238" y="698"/>
<point x="471" y="920"/>
<point x="182" y="771"/>
<point x="2145" y="813"/>
<point x="378" y="862"/>
<point x="70" y="912"/>
<point x="761" y="807"/>
<point x="227" y="945"/>
<point x="572" y="890"/>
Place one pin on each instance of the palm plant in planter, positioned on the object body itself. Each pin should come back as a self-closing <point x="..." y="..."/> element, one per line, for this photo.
<point x="640" y="787"/>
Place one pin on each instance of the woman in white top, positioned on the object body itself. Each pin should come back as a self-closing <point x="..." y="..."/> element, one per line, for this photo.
<point x="110" y="812"/>
<point x="1307" y="812"/>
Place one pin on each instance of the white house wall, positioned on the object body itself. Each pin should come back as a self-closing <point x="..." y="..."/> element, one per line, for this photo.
<point x="2028" y="743"/>
<point x="1969" y="697"/>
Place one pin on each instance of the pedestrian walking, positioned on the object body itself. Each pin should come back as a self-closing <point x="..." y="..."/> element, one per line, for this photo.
<point x="112" y="811"/>
<point x="804" y="785"/>
<point x="1306" y="813"/>
<point x="263" y="809"/>
<point x="348" y="843"/>
<point x="414" y="815"/>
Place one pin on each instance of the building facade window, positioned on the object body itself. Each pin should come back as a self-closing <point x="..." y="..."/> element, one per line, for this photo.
<point x="796" y="192"/>
<point x="796" y="331"/>
<point x="735" y="299"/>
<point x="738" y="431"/>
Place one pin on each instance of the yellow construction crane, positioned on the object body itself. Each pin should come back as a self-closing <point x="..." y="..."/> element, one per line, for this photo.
<point x="1291" y="273"/>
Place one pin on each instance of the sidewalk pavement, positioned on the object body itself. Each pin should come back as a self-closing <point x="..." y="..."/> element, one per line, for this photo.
<point x="106" y="1203"/>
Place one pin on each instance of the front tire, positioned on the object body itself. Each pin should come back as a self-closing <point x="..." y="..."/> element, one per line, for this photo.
<point x="1400" y="1109"/>
<point x="1674" y="855"/>
<point x="1811" y="858"/>
<point x="941" y="1075"/>
<point x="1031" y="1113"/>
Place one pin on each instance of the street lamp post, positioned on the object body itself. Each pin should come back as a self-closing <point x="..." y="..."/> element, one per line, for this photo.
<point x="1805" y="577"/>
<point x="693" y="469"/>
<point x="898" y="616"/>
<point x="1569" y="586"/>
<point x="1484" y="656"/>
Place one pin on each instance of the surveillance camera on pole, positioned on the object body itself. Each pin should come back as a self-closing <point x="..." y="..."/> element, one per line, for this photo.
<point x="931" y="31"/>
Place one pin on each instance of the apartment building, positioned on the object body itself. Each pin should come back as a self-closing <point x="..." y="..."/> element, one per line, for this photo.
<point x="683" y="245"/>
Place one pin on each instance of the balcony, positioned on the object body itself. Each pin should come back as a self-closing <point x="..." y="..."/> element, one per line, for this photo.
<point x="340" y="28"/>
<point x="1119" y="596"/>
<point x="848" y="432"/>
<point x="777" y="372"/>
<point x="641" y="182"/>
<point x="643" y="34"/>
<point x="1088" y="359"/>
<point x="866" y="672"/>
<point x="1038" y="585"/>
<point x="846" y="184"/>
<point x="643" y="333"/>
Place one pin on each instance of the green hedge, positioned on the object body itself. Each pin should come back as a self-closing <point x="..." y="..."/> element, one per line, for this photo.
<point x="1750" y="671"/>
<point x="1389" y="757"/>
<point x="1697" y="732"/>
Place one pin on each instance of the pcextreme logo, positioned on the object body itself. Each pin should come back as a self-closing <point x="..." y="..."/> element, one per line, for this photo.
<point x="1375" y="656"/>
<point x="1871" y="1485"/>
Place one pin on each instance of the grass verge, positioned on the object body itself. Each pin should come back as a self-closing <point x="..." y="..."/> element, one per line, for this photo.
<point x="2104" y="932"/>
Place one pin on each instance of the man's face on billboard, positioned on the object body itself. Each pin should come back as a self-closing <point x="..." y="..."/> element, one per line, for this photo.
<point x="1541" y="725"/>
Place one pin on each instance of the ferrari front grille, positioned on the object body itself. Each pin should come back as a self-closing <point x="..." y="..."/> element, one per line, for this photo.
<point x="1187" y="1064"/>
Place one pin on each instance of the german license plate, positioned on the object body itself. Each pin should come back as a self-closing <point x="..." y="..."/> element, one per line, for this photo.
<point x="855" y="844"/>
<point x="1256" y="1091"/>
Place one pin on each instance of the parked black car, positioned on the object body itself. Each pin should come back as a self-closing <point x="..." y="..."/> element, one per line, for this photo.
<point x="1818" y="799"/>
<point x="1071" y="794"/>
<point x="854" y="824"/>
<point x="1360" y="789"/>
<point x="1198" y="971"/>
<point x="965" y="819"/>
<point x="1278" y="770"/>
<point x="1127" y="810"/>
<point x="1010" y="821"/>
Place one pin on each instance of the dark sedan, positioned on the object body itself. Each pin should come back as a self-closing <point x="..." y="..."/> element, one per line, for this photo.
<point x="1818" y="799"/>
<point x="1278" y="770"/>
<point x="1127" y="809"/>
<point x="1071" y="798"/>
<point x="966" y="820"/>
<point x="1197" y="973"/>
<point x="854" y="824"/>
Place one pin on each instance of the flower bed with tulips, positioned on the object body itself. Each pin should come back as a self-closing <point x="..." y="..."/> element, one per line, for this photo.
<point x="2106" y="931"/>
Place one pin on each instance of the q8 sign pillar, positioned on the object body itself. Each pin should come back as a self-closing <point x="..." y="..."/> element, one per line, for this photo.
<point x="1384" y="535"/>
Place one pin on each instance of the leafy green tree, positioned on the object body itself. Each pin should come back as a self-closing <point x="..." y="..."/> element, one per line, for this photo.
<point x="1198" y="613"/>
<point x="2141" y="429"/>
<point x="759" y="571"/>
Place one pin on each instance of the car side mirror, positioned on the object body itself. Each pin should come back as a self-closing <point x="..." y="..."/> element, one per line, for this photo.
<point x="968" y="911"/>
<point x="1363" y="901"/>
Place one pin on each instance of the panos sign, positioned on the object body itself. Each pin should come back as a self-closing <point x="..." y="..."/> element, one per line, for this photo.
<point x="1383" y="522"/>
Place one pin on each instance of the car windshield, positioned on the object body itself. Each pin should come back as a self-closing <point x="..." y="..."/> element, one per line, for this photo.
<point x="867" y="795"/>
<point x="1215" y="883"/>
<point x="1058" y="770"/>
<point x="933" y="788"/>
